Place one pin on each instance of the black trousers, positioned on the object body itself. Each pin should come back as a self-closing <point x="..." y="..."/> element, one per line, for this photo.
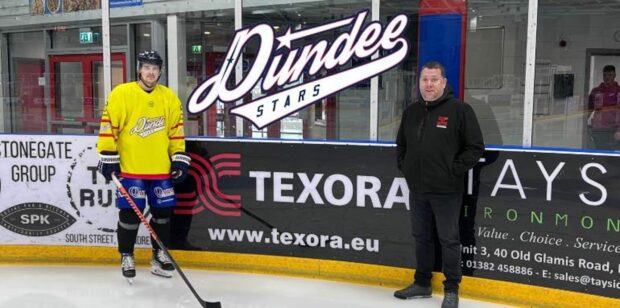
<point x="446" y="210"/>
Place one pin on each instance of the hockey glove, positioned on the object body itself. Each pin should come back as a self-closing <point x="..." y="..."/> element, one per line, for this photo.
<point x="180" y="166"/>
<point x="109" y="162"/>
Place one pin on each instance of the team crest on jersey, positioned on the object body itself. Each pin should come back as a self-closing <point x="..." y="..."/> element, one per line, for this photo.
<point x="148" y="126"/>
<point x="442" y="122"/>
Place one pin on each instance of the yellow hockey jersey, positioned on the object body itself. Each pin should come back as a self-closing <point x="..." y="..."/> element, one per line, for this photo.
<point x="144" y="128"/>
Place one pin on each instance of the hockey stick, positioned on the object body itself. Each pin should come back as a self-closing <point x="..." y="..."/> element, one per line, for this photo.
<point x="248" y="212"/>
<point x="135" y="208"/>
<point x="262" y="221"/>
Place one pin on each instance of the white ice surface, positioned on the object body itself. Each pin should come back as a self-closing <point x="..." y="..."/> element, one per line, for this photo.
<point x="92" y="287"/>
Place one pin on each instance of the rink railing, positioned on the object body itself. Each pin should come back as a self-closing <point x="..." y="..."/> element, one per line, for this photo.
<point x="539" y="226"/>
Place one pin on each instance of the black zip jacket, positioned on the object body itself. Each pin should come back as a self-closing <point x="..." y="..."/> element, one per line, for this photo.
<point x="437" y="143"/>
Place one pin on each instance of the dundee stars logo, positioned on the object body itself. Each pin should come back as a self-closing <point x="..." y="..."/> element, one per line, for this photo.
<point x="148" y="126"/>
<point x="280" y="65"/>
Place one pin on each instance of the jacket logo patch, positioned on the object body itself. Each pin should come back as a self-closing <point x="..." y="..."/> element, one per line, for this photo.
<point x="442" y="122"/>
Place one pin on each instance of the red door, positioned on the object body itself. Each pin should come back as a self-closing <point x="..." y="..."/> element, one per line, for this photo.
<point x="77" y="90"/>
<point x="29" y="87"/>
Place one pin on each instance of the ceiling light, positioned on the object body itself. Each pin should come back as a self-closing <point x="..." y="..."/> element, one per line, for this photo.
<point x="264" y="11"/>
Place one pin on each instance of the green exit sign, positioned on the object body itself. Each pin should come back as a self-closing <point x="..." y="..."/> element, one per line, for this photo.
<point x="196" y="48"/>
<point x="86" y="37"/>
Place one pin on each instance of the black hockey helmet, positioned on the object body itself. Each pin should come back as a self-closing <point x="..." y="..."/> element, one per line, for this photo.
<point x="150" y="57"/>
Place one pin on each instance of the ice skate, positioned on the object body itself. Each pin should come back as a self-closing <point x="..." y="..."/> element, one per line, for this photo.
<point x="161" y="264"/>
<point x="128" y="267"/>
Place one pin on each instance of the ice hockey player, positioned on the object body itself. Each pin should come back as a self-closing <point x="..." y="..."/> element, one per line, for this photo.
<point x="141" y="140"/>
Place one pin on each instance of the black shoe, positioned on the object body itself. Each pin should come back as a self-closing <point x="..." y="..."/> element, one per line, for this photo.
<point x="450" y="300"/>
<point x="413" y="291"/>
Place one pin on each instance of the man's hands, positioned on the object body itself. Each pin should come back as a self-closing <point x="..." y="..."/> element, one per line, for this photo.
<point x="180" y="166"/>
<point x="109" y="162"/>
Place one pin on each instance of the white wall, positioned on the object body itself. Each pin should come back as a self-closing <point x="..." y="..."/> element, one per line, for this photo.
<point x="27" y="45"/>
<point x="500" y="111"/>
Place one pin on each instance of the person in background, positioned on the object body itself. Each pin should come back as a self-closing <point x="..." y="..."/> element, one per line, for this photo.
<point x="604" y="111"/>
<point x="141" y="139"/>
<point x="438" y="140"/>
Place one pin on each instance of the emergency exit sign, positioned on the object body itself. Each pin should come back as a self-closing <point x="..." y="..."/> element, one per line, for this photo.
<point x="86" y="37"/>
<point x="197" y="49"/>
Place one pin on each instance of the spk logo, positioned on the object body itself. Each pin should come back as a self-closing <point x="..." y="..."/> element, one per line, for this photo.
<point x="35" y="219"/>
<point x="207" y="194"/>
<point x="278" y="66"/>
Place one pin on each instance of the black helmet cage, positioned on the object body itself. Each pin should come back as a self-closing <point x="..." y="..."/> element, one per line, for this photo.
<point x="150" y="57"/>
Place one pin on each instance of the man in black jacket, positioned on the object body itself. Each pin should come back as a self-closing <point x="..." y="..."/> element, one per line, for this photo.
<point x="438" y="141"/>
